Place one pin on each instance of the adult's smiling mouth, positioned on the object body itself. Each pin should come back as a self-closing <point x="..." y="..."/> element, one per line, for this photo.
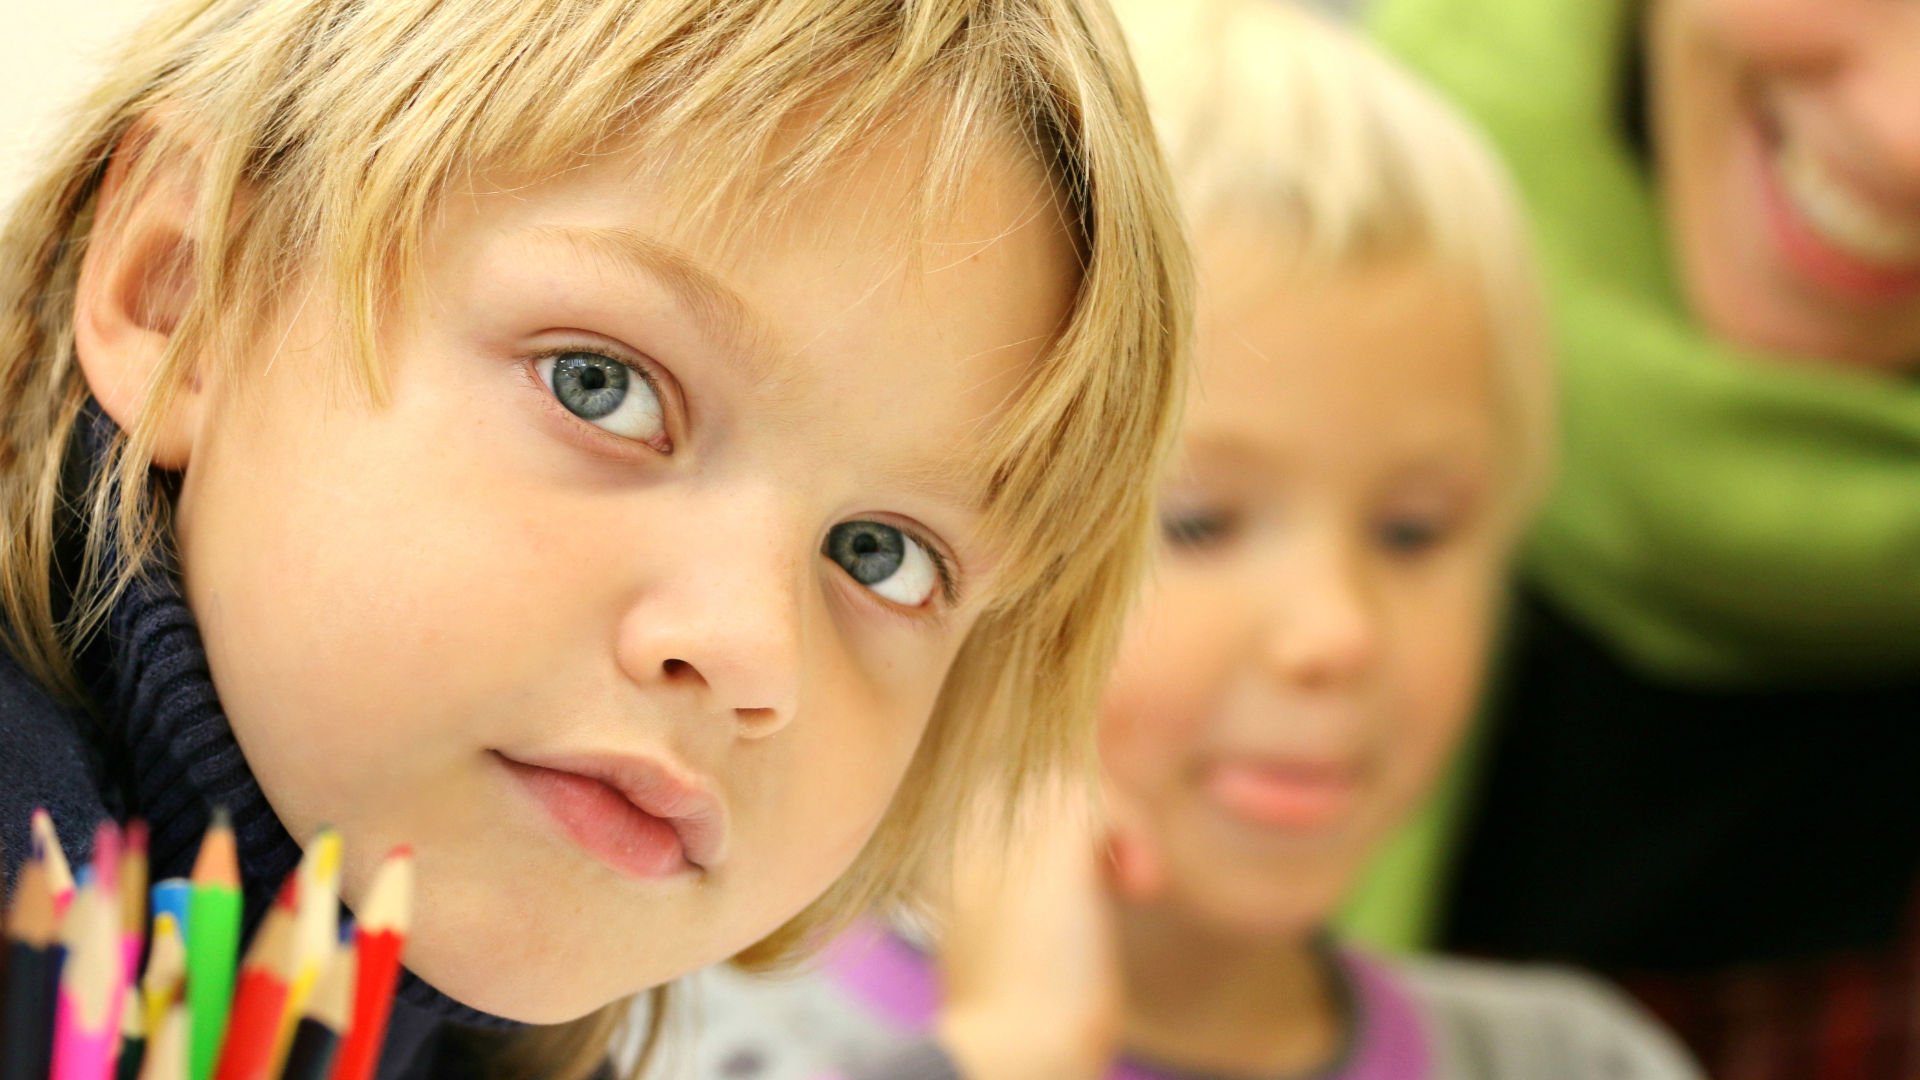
<point x="640" y="816"/>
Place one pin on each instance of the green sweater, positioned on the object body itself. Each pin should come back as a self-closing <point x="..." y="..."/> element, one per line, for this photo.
<point x="1722" y="518"/>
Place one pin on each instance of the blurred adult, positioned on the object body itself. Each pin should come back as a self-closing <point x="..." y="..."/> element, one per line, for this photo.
<point x="1703" y="772"/>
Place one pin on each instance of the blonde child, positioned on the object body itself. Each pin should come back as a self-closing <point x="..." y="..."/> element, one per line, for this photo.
<point x="1370" y="426"/>
<point x="606" y="445"/>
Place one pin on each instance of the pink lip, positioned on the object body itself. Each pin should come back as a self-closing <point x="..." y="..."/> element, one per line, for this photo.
<point x="1809" y="254"/>
<point x="635" y="814"/>
<point x="1291" y="795"/>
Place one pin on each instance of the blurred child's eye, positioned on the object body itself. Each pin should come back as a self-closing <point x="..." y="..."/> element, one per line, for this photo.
<point x="1195" y="529"/>
<point x="1410" y="535"/>
<point x="884" y="559"/>
<point x="606" y="393"/>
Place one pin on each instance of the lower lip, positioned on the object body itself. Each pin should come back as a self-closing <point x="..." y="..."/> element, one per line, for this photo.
<point x="1294" y="799"/>
<point x="604" y="824"/>
<point x="1812" y="256"/>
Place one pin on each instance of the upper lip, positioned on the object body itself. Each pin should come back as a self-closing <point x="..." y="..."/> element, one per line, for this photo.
<point x="1897" y="201"/>
<point x="675" y="795"/>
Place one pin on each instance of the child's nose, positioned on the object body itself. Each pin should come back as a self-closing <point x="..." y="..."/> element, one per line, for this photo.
<point x="722" y="624"/>
<point x="1322" y="627"/>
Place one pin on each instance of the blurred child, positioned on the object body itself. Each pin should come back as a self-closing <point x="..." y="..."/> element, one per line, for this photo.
<point x="1370" y="426"/>
<point x="606" y="445"/>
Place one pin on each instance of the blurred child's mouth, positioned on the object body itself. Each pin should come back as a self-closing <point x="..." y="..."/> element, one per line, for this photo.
<point x="631" y="814"/>
<point x="1294" y="796"/>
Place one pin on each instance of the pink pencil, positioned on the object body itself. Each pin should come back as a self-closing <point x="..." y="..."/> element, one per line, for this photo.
<point x="84" y="1036"/>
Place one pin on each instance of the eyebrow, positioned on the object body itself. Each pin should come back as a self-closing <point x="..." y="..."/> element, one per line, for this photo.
<point x="721" y="312"/>
<point x="727" y="318"/>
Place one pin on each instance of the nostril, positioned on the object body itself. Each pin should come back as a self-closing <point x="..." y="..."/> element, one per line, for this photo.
<point x="677" y="669"/>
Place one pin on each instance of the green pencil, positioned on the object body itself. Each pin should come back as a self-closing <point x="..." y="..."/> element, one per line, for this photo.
<point x="213" y="944"/>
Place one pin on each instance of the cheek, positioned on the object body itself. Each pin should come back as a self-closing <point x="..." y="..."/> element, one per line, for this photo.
<point x="370" y="586"/>
<point x="1446" y="654"/>
<point x="1166" y="683"/>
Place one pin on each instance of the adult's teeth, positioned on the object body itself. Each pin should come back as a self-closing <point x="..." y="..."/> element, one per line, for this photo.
<point x="1842" y="218"/>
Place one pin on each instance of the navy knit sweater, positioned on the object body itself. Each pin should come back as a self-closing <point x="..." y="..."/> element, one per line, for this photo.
<point x="155" y="745"/>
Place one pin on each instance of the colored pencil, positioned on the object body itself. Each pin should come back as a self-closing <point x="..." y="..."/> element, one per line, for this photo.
<point x="166" y="971"/>
<point x="46" y="844"/>
<point x="167" y="1047"/>
<point x="318" y="920"/>
<point x="172" y="897"/>
<point x="26" y="1028"/>
<point x="247" y="1052"/>
<point x="329" y="1010"/>
<point x="133" y="1043"/>
<point x="133" y="899"/>
<point x="213" y="942"/>
<point x="378" y="939"/>
<point x="83" y="1029"/>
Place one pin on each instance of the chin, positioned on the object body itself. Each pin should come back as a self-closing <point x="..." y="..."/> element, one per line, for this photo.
<point x="1276" y="908"/>
<point x="529" y="979"/>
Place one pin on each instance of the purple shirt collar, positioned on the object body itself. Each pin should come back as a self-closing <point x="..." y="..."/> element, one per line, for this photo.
<point x="1388" y="1040"/>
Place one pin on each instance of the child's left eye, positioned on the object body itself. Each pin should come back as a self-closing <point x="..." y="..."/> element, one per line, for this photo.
<point x="604" y="392"/>
<point x="1409" y="535"/>
<point x="884" y="559"/>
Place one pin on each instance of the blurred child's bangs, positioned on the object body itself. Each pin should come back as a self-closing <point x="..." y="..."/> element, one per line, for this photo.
<point x="1279" y="119"/>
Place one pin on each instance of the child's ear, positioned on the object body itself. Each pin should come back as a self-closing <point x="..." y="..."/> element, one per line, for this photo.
<point x="136" y="278"/>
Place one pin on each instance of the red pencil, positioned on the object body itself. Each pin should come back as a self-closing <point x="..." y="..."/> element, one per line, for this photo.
<point x="258" y="1000"/>
<point x="378" y="937"/>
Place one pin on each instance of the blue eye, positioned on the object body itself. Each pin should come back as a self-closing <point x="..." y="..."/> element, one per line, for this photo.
<point x="884" y="559"/>
<point x="604" y="392"/>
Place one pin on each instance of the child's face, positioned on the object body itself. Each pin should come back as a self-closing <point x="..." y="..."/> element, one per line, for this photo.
<point x="1334" y="544"/>
<point x="636" y="515"/>
<point x="1789" y="145"/>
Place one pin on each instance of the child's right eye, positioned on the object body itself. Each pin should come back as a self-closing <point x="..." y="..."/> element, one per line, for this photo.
<point x="1194" y="530"/>
<point x="606" y="393"/>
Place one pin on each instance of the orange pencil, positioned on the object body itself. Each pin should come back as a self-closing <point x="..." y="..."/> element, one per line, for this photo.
<point x="46" y="845"/>
<point x="259" y="1000"/>
<point x="133" y="897"/>
<point x="378" y="940"/>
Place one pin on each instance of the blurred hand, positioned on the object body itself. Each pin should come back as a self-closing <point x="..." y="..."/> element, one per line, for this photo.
<point x="1029" y="954"/>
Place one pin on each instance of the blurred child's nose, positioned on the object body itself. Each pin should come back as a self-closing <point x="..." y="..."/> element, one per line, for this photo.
<point x="1882" y="90"/>
<point x="722" y="619"/>
<point x="1321" y="624"/>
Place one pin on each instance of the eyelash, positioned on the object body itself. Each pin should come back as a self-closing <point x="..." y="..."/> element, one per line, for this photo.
<point x="949" y="583"/>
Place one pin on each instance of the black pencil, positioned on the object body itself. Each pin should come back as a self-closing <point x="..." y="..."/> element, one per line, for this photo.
<point x="317" y="1040"/>
<point x="133" y="1040"/>
<point x="26" y="1028"/>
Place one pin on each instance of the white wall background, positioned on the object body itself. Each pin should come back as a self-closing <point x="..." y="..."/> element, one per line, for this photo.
<point x="50" y="51"/>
